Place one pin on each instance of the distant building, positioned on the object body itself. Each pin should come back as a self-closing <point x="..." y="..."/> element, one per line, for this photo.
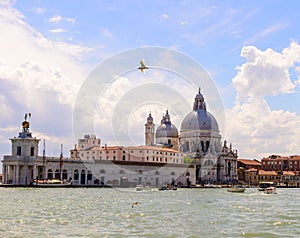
<point x="282" y="170"/>
<point x="194" y="156"/>
<point x="246" y="169"/>
<point x="90" y="163"/>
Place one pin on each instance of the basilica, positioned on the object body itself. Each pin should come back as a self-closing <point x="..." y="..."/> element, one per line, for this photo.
<point x="195" y="155"/>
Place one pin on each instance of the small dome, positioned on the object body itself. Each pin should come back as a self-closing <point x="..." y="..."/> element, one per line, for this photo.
<point x="150" y="118"/>
<point x="166" y="130"/>
<point x="199" y="120"/>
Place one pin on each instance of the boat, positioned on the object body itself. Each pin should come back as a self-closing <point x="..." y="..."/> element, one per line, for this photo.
<point x="167" y="187"/>
<point x="209" y="185"/>
<point x="144" y="188"/>
<point x="236" y="189"/>
<point x="51" y="183"/>
<point x="270" y="190"/>
<point x="263" y="185"/>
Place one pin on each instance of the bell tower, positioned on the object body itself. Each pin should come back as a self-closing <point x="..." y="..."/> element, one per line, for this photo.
<point x="149" y="131"/>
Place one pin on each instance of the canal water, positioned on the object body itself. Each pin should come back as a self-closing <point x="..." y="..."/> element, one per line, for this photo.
<point x="106" y="212"/>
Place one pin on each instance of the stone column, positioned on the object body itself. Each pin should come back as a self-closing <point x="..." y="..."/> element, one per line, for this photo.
<point x="4" y="179"/>
<point x="17" y="174"/>
<point x="34" y="171"/>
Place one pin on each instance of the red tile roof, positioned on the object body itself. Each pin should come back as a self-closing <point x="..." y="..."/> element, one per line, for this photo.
<point x="263" y="172"/>
<point x="290" y="173"/>
<point x="250" y="162"/>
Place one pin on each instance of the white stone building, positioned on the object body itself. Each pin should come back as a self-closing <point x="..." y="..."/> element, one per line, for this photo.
<point x="196" y="155"/>
<point x="90" y="163"/>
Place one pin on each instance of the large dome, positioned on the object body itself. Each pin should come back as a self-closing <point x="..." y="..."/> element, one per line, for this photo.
<point x="199" y="120"/>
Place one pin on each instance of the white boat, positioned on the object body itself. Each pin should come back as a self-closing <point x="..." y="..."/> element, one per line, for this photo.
<point x="144" y="188"/>
<point x="236" y="189"/>
<point x="209" y="185"/>
<point x="51" y="183"/>
<point x="270" y="190"/>
<point x="263" y="185"/>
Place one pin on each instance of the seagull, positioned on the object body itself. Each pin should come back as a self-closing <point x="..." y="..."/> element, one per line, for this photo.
<point x="143" y="66"/>
<point x="135" y="204"/>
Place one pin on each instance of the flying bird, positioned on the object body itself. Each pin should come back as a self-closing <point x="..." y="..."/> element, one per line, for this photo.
<point x="143" y="66"/>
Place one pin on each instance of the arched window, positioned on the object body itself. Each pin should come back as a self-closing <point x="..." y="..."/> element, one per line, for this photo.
<point x="140" y="171"/>
<point x="207" y="146"/>
<point x="50" y="174"/>
<point x="57" y="174"/>
<point x="208" y="163"/>
<point x="172" y="173"/>
<point x="64" y="174"/>
<point x="187" y="146"/>
<point x="156" y="172"/>
<point x="122" y="171"/>
<point x="82" y="177"/>
<point x="187" y="174"/>
<point x="124" y="157"/>
<point x="76" y="174"/>
<point x="102" y="171"/>
<point x="202" y="146"/>
<point x="89" y="175"/>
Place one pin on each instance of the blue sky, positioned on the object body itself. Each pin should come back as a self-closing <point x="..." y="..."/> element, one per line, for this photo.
<point x="249" y="48"/>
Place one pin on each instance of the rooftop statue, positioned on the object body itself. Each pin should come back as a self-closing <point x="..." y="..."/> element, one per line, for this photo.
<point x="25" y="123"/>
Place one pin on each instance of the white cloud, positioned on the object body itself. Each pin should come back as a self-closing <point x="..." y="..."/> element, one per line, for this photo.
<point x="266" y="72"/>
<point x="165" y="16"/>
<point x="255" y="128"/>
<point x="57" y="30"/>
<point x="57" y="18"/>
<point x="37" y="75"/>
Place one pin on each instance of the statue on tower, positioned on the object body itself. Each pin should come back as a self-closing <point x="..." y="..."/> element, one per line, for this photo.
<point x="25" y="123"/>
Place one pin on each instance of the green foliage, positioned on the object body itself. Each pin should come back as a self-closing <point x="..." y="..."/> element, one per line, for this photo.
<point x="188" y="160"/>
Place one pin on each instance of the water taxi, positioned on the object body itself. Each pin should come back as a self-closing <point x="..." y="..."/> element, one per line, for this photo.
<point x="263" y="185"/>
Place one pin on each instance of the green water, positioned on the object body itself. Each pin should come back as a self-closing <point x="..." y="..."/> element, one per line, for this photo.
<point x="104" y="212"/>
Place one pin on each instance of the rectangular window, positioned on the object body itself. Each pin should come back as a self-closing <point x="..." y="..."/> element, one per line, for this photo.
<point x="32" y="151"/>
<point x="18" y="150"/>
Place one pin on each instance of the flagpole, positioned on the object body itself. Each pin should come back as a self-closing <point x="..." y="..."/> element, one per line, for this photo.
<point x="44" y="170"/>
<point x="60" y="160"/>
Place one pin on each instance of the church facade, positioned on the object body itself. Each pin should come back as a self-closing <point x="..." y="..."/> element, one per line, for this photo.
<point x="200" y="141"/>
<point x="193" y="156"/>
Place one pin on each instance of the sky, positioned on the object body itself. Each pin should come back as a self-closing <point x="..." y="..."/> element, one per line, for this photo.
<point x="249" y="50"/>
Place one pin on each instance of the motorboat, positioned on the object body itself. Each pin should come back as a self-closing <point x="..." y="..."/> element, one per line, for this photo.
<point x="236" y="189"/>
<point x="209" y="185"/>
<point x="140" y="187"/>
<point x="51" y="183"/>
<point x="167" y="187"/>
<point x="270" y="190"/>
<point x="263" y="185"/>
